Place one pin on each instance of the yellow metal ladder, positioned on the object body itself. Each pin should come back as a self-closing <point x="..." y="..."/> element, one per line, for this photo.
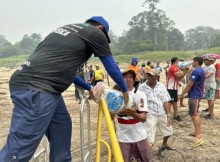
<point x="112" y="135"/>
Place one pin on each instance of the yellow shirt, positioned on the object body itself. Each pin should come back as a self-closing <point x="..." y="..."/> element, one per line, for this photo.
<point x="147" y="68"/>
<point x="99" y="74"/>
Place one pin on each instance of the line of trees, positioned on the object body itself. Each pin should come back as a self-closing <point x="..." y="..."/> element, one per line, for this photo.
<point x="25" y="46"/>
<point x="150" y="30"/>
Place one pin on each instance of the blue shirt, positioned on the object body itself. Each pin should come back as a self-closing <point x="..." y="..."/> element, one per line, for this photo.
<point x="198" y="77"/>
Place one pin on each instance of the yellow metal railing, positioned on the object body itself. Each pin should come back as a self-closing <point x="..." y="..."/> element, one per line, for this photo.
<point x="112" y="135"/>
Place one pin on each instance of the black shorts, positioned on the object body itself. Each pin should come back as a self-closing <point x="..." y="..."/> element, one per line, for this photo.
<point x="96" y="81"/>
<point x="173" y="95"/>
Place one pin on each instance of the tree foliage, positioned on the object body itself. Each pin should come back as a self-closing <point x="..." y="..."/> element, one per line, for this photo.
<point x="217" y="41"/>
<point x="29" y="43"/>
<point x="3" y="41"/>
<point x="200" y="37"/>
<point x="25" y="46"/>
<point x="151" y="30"/>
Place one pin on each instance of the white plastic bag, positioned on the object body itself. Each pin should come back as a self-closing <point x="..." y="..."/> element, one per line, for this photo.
<point x="182" y="64"/>
<point x="114" y="98"/>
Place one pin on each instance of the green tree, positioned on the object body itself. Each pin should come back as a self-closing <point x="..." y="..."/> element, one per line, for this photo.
<point x="200" y="37"/>
<point x="29" y="43"/>
<point x="150" y="30"/>
<point x="3" y="41"/>
<point x="175" y="40"/>
<point x="6" y="48"/>
<point x="36" y="38"/>
<point x="216" y="42"/>
<point x="114" y="43"/>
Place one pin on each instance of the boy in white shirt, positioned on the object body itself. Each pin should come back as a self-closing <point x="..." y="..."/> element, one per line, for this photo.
<point x="131" y="130"/>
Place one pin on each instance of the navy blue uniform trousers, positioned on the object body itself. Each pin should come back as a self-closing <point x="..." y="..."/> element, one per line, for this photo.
<point x="37" y="113"/>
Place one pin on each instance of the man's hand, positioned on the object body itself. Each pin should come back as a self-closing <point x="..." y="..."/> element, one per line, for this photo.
<point x="185" y="69"/>
<point x="124" y="112"/>
<point x="128" y="111"/>
<point x="125" y="95"/>
<point x="91" y="93"/>
<point x="134" y="109"/>
<point x="169" y="121"/>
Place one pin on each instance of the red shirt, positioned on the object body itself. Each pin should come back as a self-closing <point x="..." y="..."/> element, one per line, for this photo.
<point x="217" y="73"/>
<point x="172" y="80"/>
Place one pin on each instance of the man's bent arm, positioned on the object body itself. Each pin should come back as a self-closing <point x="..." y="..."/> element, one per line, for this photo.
<point x="166" y="108"/>
<point x="81" y="83"/>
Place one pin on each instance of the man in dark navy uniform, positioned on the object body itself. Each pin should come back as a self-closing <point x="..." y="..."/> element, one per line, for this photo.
<point x="37" y="85"/>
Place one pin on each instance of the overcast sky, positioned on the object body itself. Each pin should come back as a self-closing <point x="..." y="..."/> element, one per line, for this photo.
<point x="20" y="17"/>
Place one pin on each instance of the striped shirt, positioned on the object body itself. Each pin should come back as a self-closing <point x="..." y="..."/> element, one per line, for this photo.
<point x="129" y="129"/>
<point x="155" y="97"/>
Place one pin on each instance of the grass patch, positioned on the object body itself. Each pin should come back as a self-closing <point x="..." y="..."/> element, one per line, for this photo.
<point x="165" y="55"/>
<point x="12" y="61"/>
<point x="156" y="56"/>
<point x="126" y="58"/>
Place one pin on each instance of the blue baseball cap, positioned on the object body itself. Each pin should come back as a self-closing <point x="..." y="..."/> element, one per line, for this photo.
<point x="134" y="59"/>
<point x="105" y="24"/>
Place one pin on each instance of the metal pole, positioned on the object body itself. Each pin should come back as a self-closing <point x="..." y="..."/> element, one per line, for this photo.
<point x="84" y="102"/>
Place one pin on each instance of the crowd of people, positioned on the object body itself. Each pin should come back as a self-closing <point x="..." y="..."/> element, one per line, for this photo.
<point x="197" y="80"/>
<point x="36" y="89"/>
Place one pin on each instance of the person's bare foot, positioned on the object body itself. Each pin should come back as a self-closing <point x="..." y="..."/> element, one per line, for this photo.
<point x="182" y="105"/>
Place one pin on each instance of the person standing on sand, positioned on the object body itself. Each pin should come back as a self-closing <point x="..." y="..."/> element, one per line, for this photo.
<point x="174" y="75"/>
<point x="210" y="84"/>
<point x="36" y="89"/>
<point x="99" y="74"/>
<point x="181" y="86"/>
<point x="217" y="79"/>
<point x="142" y="72"/>
<point x="166" y="68"/>
<point x="131" y="132"/>
<point x="195" y="89"/>
<point x="134" y="66"/>
<point x="158" y="109"/>
<point x="159" y="68"/>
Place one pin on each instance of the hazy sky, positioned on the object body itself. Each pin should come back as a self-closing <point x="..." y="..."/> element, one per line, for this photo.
<point x="20" y="17"/>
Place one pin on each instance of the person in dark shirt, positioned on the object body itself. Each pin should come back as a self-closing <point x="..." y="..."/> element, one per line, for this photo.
<point x="78" y="95"/>
<point x="92" y="76"/>
<point x="91" y="81"/>
<point x="36" y="88"/>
